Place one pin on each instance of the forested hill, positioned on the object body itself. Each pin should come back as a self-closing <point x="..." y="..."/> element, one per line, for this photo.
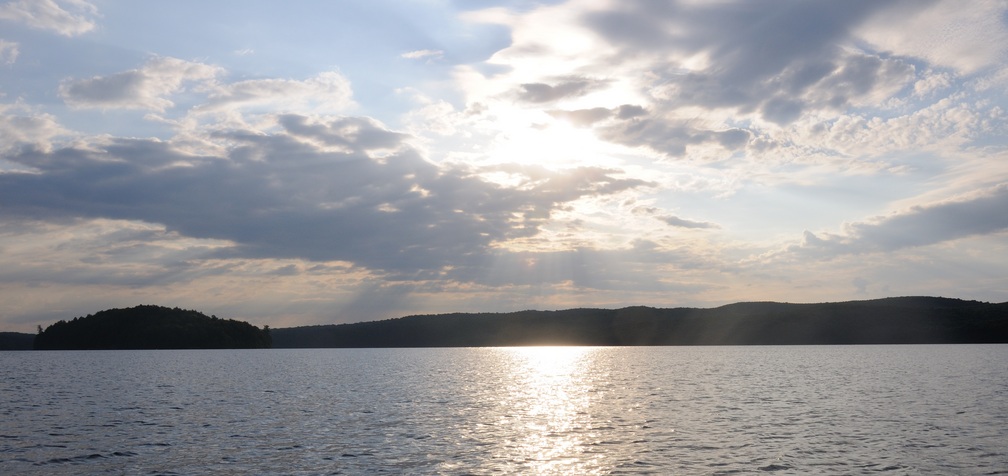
<point x="16" y="341"/>
<point x="907" y="320"/>
<point x="151" y="327"/>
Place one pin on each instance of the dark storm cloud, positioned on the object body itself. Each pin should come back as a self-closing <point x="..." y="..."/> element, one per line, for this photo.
<point x="919" y="226"/>
<point x="776" y="58"/>
<point x="284" y="195"/>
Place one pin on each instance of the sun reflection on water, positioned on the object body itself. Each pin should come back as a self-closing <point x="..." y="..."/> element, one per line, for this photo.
<point x="548" y="405"/>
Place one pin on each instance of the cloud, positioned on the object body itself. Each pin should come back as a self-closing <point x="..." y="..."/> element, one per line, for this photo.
<point x="98" y="263"/>
<point x="105" y="263"/>
<point x="350" y="134"/>
<point x="765" y="81"/>
<point x="423" y="54"/>
<point x="153" y="86"/>
<point x="583" y="117"/>
<point x="313" y="190"/>
<point x="708" y="81"/>
<point x="608" y="153"/>
<point x="778" y="59"/>
<point x="673" y="220"/>
<point x="944" y="126"/>
<point x="66" y="17"/>
<point x="8" y="51"/>
<point x="630" y="111"/>
<point x="99" y="252"/>
<point x="964" y="36"/>
<point x="981" y="213"/>
<point x="932" y="82"/>
<point x="684" y="223"/>
<point x="326" y="92"/>
<point x="563" y="88"/>
<point x="22" y="128"/>
<point x="148" y="87"/>
<point x="670" y="137"/>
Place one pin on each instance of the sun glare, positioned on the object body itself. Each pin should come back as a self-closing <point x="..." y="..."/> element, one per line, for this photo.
<point x="553" y="143"/>
<point x="550" y="362"/>
<point x="548" y="403"/>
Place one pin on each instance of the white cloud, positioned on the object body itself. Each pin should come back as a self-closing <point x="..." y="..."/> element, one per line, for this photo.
<point x="965" y="36"/>
<point x="149" y="87"/>
<point x="8" y="51"/>
<point x="65" y="17"/>
<point x="22" y="128"/>
<point x="548" y="41"/>
<point x="943" y="126"/>
<point x="439" y="118"/>
<point x="931" y="83"/>
<point x="328" y="92"/>
<point x="98" y="252"/>
<point x="423" y="54"/>
<point x="158" y="84"/>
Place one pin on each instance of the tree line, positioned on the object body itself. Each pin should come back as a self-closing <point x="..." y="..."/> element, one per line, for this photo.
<point x="907" y="320"/>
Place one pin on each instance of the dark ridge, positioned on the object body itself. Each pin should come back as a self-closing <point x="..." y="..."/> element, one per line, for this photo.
<point x="151" y="327"/>
<point x="16" y="341"/>
<point x="903" y="320"/>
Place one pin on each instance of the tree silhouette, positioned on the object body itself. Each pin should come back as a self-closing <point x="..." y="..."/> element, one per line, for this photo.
<point x="151" y="327"/>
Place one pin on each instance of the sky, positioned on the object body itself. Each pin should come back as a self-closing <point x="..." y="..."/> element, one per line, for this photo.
<point x="316" y="162"/>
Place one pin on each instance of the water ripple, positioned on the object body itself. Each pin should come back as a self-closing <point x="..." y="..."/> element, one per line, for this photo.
<point x="727" y="410"/>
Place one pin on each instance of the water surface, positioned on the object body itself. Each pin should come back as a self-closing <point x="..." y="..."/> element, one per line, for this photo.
<point x="568" y="410"/>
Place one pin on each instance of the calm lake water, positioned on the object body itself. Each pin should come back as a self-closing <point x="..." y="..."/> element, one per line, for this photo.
<point x="573" y="410"/>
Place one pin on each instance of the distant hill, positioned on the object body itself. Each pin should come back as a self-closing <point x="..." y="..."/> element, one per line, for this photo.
<point x="151" y="327"/>
<point x="16" y="341"/>
<point x="904" y="320"/>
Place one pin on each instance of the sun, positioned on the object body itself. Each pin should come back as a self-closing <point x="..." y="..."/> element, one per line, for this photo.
<point x="530" y="139"/>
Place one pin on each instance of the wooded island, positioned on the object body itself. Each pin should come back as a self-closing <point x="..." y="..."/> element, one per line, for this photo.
<point x="151" y="327"/>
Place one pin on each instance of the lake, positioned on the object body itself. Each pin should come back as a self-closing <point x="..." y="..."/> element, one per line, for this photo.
<point x="915" y="409"/>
